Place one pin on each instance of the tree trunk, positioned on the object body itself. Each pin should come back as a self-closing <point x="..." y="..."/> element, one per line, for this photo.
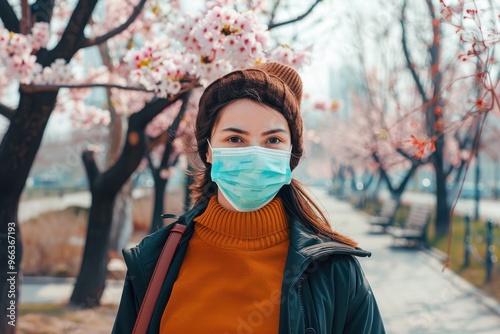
<point x="122" y="226"/>
<point x="496" y="184"/>
<point x="442" y="207"/>
<point x="104" y="187"/>
<point x="477" y="195"/>
<point x="91" y="280"/>
<point x="169" y="159"/>
<point x="156" y="220"/>
<point x="17" y="153"/>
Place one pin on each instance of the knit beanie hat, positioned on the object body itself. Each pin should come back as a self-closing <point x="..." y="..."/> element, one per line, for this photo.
<point x="274" y="84"/>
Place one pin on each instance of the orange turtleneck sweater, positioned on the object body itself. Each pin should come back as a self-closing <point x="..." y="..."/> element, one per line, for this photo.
<point x="231" y="276"/>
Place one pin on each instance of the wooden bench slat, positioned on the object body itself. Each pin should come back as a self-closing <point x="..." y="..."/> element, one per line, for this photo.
<point x="386" y="215"/>
<point x="415" y="225"/>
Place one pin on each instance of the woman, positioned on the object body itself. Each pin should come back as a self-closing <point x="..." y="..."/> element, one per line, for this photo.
<point x="258" y="255"/>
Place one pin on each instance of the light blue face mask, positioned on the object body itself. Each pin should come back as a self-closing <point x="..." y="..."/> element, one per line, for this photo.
<point x="250" y="177"/>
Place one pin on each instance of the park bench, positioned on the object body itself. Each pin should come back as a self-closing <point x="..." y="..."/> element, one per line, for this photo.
<point x="414" y="231"/>
<point x="385" y="216"/>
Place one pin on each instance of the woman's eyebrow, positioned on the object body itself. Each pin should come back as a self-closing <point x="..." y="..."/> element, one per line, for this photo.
<point x="273" y="131"/>
<point x="235" y="130"/>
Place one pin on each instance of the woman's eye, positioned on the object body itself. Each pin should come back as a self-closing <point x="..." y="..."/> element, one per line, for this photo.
<point x="235" y="140"/>
<point x="274" y="140"/>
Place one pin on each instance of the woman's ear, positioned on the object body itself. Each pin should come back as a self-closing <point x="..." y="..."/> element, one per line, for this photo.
<point x="208" y="154"/>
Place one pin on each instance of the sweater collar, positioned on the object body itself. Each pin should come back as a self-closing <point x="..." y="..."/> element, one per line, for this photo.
<point x="252" y="230"/>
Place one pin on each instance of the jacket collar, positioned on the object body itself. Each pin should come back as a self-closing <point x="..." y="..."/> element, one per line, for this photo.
<point x="303" y="240"/>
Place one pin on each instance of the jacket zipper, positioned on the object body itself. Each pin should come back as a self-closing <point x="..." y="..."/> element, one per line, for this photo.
<point x="301" y="280"/>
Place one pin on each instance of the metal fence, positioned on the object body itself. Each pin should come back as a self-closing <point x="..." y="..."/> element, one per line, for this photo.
<point x="470" y="251"/>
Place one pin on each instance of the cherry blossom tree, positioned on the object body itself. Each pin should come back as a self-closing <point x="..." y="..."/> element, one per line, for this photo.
<point x="43" y="45"/>
<point x="162" y="163"/>
<point x="434" y="78"/>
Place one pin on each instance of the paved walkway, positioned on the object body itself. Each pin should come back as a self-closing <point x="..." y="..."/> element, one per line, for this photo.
<point x="413" y="294"/>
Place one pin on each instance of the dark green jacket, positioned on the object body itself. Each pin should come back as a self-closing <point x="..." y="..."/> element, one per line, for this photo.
<point x="324" y="289"/>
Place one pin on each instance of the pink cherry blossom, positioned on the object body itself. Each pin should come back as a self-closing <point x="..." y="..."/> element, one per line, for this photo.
<point x="23" y="67"/>
<point x="286" y="55"/>
<point x="203" y="46"/>
<point x="87" y="117"/>
<point x="19" y="45"/>
<point x="58" y="73"/>
<point x="40" y="35"/>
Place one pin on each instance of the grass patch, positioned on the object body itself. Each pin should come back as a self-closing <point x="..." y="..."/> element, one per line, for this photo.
<point x="47" y="309"/>
<point x="53" y="242"/>
<point x="55" y="319"/>
<point x="475" y="272"/>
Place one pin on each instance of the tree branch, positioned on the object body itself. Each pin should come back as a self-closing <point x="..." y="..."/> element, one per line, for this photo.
<point x="73" y="36"/>
<point x="26" y="17"/>
<point x="406" y="53"/>
<point x="406" y="178"/>
<point x="90" y="166"/>
<point x="451" y="168"/>
<point x="172" y="132"/>
<point x="150" y="163"/>
<point x="298" y="18"/>
<point x="153" y="142"/>
<point x="273" y="12"/>
<point x="9" y="17"/>
<point x="6" y="112"/>
<point x="100" y="39"/>
<point x="406" y="155"/>
<point x="41" y="10"/>
<point x="383" y="173"/>
<point x="45" y="88"/>
<point x="416" y="162"/>
<point x="135" y="143"/>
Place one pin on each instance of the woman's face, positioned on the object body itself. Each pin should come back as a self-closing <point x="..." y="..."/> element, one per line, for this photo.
<point x="245" y="122"/>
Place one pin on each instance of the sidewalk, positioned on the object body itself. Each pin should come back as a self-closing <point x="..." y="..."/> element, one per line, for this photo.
<point x="413" y="294"/>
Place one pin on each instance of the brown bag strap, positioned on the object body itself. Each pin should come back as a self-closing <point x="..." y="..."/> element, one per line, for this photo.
<point x="156" y="282"/>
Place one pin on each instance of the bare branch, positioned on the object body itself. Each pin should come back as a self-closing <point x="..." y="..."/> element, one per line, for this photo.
<point x="298" y="18"/>
<point x="153" y="142"/>
<point x="8" y="16"/>
<point x="98" y="40"/>
<point x="42" y="10"/>
<point x="451" y="168"/>
<point x="73" y="35"/>
<point x="273" y="12"/>
<point x="45" y="88"/>
<point x="6" y="112"/>
<point x="383" y="172"/>
<point x="172" y="131"/>
<point x="406" y="155"/>
<point x="26" y="17"/>
<point x="187" y="85"/>
<point x="150" y="162"/>
<point x="90" y="166"/>
<point x="406" y="53"/>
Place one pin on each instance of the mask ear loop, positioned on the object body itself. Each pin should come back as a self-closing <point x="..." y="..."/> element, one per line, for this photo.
<point x="211" y="148"/>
